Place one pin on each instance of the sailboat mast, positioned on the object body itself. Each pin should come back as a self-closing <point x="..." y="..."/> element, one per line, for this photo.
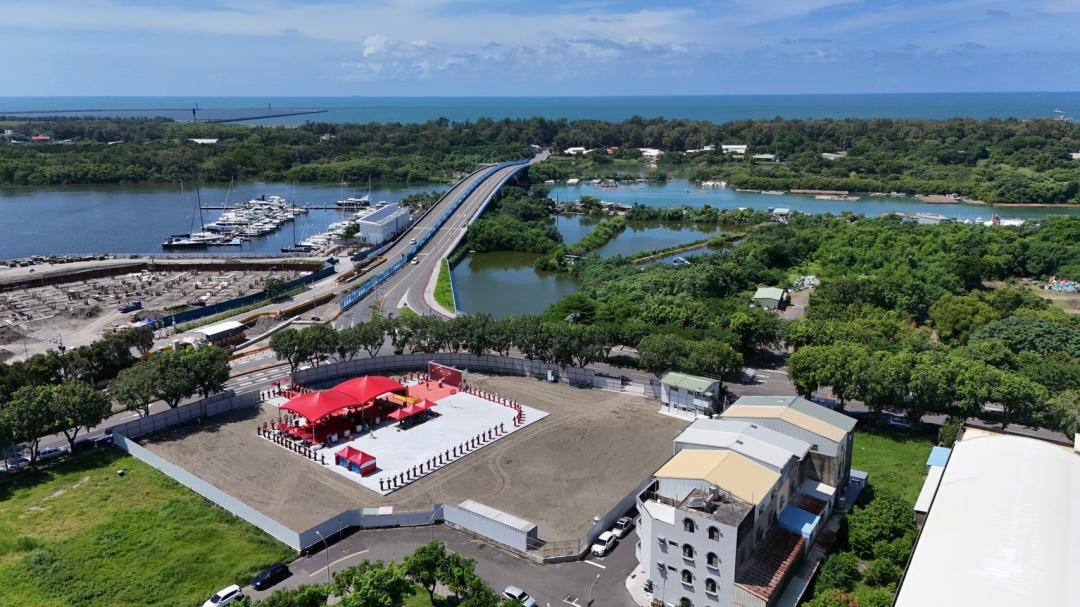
<point x="198" y="201"/>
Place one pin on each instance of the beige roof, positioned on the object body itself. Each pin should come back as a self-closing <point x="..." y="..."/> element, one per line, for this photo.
<point x="791" y="416"/>
<point x="733" y="472"/>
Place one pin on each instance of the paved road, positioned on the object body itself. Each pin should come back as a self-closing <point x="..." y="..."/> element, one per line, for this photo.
<point x="408" y="285"/>
<point x="548" y="584"/>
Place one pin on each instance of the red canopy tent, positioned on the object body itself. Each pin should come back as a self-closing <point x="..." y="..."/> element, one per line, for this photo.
<point x="314" y="406"/>
<point x="367" y="388"/>
<point x="355" y="460"/>
<point x="425" y="404"/>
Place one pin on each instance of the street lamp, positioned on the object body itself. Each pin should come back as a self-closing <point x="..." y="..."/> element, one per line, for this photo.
<point x="326" y="549"/>
<point x="591" y="586"/>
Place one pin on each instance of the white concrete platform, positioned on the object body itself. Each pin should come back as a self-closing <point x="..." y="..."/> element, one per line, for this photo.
<point x="461" y="418"/>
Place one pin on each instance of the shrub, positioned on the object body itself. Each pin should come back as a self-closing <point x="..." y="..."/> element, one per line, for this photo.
<point x="950" y="430"/>
<point x="886" y="517"/>
<point x="882" y="572"/>
<point x="840" y="570"/>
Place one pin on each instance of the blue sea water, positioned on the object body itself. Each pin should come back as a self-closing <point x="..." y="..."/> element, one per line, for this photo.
<point x="715" y="108"/>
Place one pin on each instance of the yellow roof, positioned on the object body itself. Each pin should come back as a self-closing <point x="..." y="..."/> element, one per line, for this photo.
<point x="733" y="472"/>
<point x="798" y="418"/>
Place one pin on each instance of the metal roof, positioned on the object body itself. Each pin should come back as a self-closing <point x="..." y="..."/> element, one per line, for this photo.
<point x="795" y="410"/>
<point x="731" y="471"/>
<point x="756" y="442"/>
<point x="381" y="215"/>
<point x="1003" y="530"/>
<point x="769" y="293"/>
<point x="497" y="515"/>
<point x="218" y="329"/>
<point x="686" y="381"/>
<point x="939" y="456"/>
<point x="929" y="488"/>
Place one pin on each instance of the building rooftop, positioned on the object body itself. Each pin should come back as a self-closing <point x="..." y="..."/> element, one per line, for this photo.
<point x="759" y="443"/>
<point x="929" y="488"/>
<point x="794" y="410"/>
<point x="732" y="472"/>
<point x="1003" y="530"/>
<point x="381" y="215"/>
<point x="220" y="328"/>
<point x="689" y="382"/>
<point x="498" y="515"/>
<point x="769" y="293"/>
<point x="767" y="569"/>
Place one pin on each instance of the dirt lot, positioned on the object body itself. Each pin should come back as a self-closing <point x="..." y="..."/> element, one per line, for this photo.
<point x="593" y="449"/>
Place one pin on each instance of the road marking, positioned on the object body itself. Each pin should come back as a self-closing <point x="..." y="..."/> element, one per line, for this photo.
<point x="571" y="600"/>
<point x="595" y="564"/>
<point x="344" y="558"/>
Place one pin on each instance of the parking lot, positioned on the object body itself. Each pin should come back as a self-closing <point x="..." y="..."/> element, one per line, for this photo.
<point x="592" y="449"/>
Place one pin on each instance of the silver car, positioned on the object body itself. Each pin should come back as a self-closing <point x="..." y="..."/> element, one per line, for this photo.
<point x="517" y="594"/>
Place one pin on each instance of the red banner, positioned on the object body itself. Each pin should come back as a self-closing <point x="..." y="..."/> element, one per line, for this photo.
<point x="447" y="375"/>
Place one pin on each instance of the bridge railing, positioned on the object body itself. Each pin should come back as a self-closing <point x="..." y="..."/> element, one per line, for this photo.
<point x="373" y="283"/>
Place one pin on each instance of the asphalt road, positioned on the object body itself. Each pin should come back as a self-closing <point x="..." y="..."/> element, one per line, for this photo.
<point x="408" y="285"/>
<point x="550" y="585"/>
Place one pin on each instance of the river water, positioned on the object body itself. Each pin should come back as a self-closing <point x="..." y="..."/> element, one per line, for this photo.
<point x="135" y="219"/>
<point x="521" y="289"/>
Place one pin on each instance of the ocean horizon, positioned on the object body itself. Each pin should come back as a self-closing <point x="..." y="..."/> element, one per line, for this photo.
<point x="711" y="108"/>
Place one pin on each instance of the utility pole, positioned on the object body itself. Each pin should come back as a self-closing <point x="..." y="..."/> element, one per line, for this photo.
<point x="326" y="550"/>
<point x="591" y="586"/>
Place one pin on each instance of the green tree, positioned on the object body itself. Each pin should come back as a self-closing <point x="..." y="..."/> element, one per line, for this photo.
<point x="207" y="367"/>
<point x="289" y="345"/>
<point x="350" y="342"/>
<point x="955" y="317"/>
<point x="173" y="378"/>
<point x="1064" y="412"/>
<point x="662" y="352"/>
<point x="712" y="358"/>
<point x="77" y="406"/>
<point x="275" y="288"/>
<point x="28" y="416"/>
<point x="886" y="517"/>
<point x="424" y="565"/>
<point x="533" y="338"/>
<point x="378" y="585"/>
<point x="834" y="597"/>
<point x="133" y="389"/>
<point x="840" y="570"/>
<point x="319" y="342"/>
<point x="950" y="431"/>
<point x="882" y="572"/>
<point x="305" y="595"/>
<point x="350" y="231"/>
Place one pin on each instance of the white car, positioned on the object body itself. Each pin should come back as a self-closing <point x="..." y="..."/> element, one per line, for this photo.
<point x="224" y="596"/>
<point x="517" y="594"/>
<point x="622" y="527"/>
<point x="412" y="241"/>
<point x="603" y="544"/>
<point x="49" y="453"/>
<point x="415" y="261"/>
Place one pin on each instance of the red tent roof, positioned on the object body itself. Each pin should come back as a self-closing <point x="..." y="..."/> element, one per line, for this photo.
<point x="363" y="389"/>
<point x="317" y="405"/>
<point x="425" y="404"/>
<point x="354" y="455"/>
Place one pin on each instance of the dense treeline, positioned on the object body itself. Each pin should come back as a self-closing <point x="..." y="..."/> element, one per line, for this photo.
<point x="516" y="220"/>
<point x="993" y="160"/>
<point x="901" y="321"/>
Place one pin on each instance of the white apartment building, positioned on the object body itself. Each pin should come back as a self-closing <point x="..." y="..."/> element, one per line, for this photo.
<point x="729" y="518"/>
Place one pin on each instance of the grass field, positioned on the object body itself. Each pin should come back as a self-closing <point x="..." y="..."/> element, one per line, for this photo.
<point x="444" y="290"/>
<point x="896" y="461"/>
<point x="79" y="534"/>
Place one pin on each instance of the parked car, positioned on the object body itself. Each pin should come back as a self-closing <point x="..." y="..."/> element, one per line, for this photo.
<point x="415" y="261"/>
<point x="623" y="526"/>
<point x="49" y="453"/>
<point x="16" y="463"/>
<point x="225" y="596"/>
<point x="270" y="576"/>
<point x="898" y="422"/>
<point x="824" y="401"/>
<point x="603" y="544"/>
<point x="517" y="594"/>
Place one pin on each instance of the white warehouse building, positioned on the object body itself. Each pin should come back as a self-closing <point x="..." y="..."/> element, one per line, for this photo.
<point x="383" y="224"/>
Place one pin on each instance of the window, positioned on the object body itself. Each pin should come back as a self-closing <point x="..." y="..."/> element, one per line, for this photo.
<point x="687" y="577"/>
<point x="688" y="525"/>
<point x="685" y="602"/>
<point x="710" y="585"/>
<point x="714" y="533"/>
<point x="712" y="560"/>
<point x="688" y="551"/>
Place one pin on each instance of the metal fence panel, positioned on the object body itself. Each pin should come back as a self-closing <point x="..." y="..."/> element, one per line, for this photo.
<point x="494" y="530"/>
<point x="229" y="503"/>
<point x="216" y="404"/>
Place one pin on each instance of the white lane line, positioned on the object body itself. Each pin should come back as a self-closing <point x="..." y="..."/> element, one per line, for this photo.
<point x="595" y="564"/>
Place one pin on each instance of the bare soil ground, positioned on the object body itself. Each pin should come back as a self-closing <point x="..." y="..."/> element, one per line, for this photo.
<point x="593" y="449"/>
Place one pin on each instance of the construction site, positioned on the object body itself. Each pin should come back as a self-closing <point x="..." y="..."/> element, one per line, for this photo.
<point x="45" y="306"/>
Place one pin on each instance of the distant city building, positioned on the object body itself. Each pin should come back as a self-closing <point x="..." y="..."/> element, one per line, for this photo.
<point x="689" y="395"/>
<point x="770" y="298"/>
<point x="765" y="157"/>
<point x="650" y="152"/>
<point x="1003" y="526"/>
<point x="736" y="516"/>
<point x="833" y="155"/>
<point x="41" y="139"/>
<point x="383" y="224"/>
<point x="575" y="151"/>
<point x="734" y="148"/>
<point x="1074" y="155"/>
<point x="203" y="141"/>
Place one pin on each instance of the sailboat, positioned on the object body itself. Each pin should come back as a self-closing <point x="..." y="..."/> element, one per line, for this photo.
<point x="353" y="202"/>
<point x="193" y="240"/>
<point x="296" y="246"/>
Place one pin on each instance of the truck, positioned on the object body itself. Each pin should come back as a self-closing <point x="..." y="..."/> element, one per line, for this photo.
<point x="131" y="306"/>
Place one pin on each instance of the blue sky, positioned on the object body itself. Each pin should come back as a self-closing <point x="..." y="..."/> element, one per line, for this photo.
<point x="537" y="47"/>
